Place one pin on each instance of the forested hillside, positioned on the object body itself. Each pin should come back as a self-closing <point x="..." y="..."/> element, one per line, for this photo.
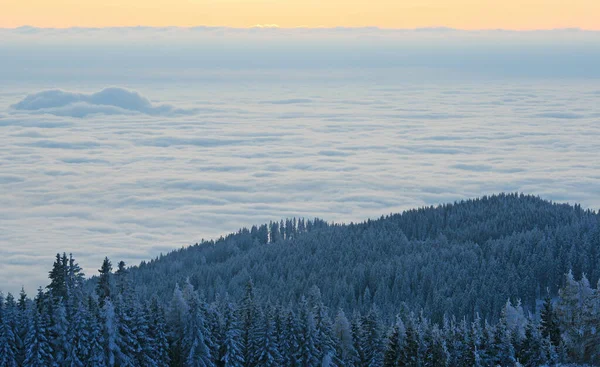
<point x="65" y="325"/>
<point x="463" y="258"/>
<point x="504" y="280"/>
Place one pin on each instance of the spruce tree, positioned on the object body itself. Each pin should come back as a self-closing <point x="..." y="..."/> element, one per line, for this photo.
<point x="289" y="340"/>
<point x="504" y="348"/>
<point x="21" y="326"/>
<point x="591" y="318"/>
<point x="410" y="352"/>
<point x="393" y="347"/>
<point x="214" y="327"/>
<point x="96" y="355"/>
<point x="8" y="348"/>
<point x="248" y="315"/>
<point x="307" y="354"/>
<point x="111" y="339"/>
<point x="195" y="346"/>
<point x="145" y="354"/>
<point x="476" y="348"/>
<point x="569" y="310"/>
<point x="371" y="340"/>
<point x="103" y="288"/>
<point x="75" y="279"/>
<point x="78" y="338"/>
<point x="549" y="352"/>
<point x="58" y="332"/>
<point x="440" y="356"/>
<point x="268" y="354"/>
<point x="58" y="285"/>
<point x="231" y="353"/>
<point x="323" y="326"/>
<point x="38" y="349"/>
<point x="530" y="352"/>
<point x="357" y="337"/>
<point x="342" y="331"/>
<point x="176" y="317"/>
<point x="157" y="332"/>
<point x="127" y="342"/>
<point x="461" y="338"/>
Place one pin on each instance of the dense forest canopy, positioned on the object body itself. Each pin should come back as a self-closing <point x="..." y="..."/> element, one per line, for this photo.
<point x="463" y="258"/>
<point x="504" y="280"/>
<point x="66" y="326"/>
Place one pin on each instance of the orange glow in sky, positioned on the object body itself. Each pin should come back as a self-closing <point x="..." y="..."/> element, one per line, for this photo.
<point x="464" y="14"/>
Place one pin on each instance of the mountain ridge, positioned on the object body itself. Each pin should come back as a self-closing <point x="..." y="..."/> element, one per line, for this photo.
<point x="466" y="257"/>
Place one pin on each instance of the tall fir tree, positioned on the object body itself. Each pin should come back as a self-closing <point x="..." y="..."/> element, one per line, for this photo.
<point x="38" y="348"/>
<point x="439" y="355"/>
<point x="323" y="327"/>
<point x="157" y="332"/>
<point x="111" y="339"/>
<point x="289" y="340"/>
<point x="267" y="354"/>
<point x="127" y="342"/>
<point x="58" y="277"/>
<point x="176" y="319"/>
<point x="58" y="332"/>
<point x="103" y="288"/>
<point x="476" y="348"/>
<point x="569" y="311"/>
<point x="78" y="337"/>
<point x="231" y="353"/>
<point x="410" y="350"/>
<point x="530" y="352"/>
<point x="23" y="305"/>
<point x="8" y="346"/>
<point x="357" y="337"/>
<point x="195" y="346"/>
<point x="248" y="316"/>
<point x="96" y="355"/>
<point x="371" y="340"/>
<point x="307" y="354"/>
<point x="342" y="331"/>
<point x="393" y="348"/>
<point x="503" y="340"/>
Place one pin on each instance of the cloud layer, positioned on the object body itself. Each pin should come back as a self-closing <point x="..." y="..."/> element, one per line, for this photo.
<point x="109" y="101"/>
<point x="331" y="144"/>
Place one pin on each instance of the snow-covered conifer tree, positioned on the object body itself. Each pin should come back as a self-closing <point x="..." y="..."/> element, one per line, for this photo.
<point x="195" y="346"/>
<point x="289" y="340"/>
<point x="110" y="334"/>
<point x="38" y="348"/>
<point x="307" y="354"/>
<point x="267" y="353"/>
<point x="342" y="332"/>
<point x="231" y="352"/>
<point x="248" y="315"/>
<point x="8" y="348"/>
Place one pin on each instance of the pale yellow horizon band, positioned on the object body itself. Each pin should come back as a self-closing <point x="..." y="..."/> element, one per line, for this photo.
<point x="461" y="14"/>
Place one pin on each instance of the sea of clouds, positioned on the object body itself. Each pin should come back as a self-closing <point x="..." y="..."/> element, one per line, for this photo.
<point x="127" y="160"/>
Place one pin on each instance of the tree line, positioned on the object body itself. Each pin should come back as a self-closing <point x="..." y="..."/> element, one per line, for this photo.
<point x="69" y="324"/>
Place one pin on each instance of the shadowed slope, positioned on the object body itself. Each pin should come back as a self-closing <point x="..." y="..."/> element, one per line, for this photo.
<point x="462" y="258"/>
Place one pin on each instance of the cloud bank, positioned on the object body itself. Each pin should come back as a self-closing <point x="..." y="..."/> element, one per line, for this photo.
<point x="109" y="101"/>
<point x="118" y="55"/>
<point x="133" y="185"/>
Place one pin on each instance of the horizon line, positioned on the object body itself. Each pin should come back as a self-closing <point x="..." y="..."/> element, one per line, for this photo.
<point x="277" y="27"/>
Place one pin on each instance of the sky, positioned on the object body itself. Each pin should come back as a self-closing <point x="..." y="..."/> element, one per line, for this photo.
<point x="461" y="14"/>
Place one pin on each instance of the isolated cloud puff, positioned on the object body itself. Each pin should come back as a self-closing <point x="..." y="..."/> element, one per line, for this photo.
<point x="109" y="101"/>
